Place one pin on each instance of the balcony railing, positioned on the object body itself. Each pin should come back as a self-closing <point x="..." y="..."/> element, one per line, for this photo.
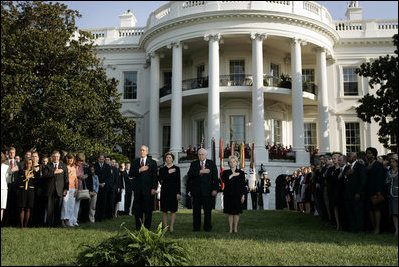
<point x="237" y="80"/>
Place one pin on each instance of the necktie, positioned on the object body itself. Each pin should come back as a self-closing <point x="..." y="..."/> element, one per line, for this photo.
<point x="202" y="165"/>
<point x="11" y="164"/>
<point x="142" y="163"/>
<point x="55" y="166"/>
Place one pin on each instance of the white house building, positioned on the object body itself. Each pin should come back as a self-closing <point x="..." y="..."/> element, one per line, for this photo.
<point x="212" y="69"/>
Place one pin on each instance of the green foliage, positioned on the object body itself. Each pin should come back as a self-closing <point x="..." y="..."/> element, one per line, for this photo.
<point x="382" y="106"/>
<point x="285" y="81"/>
<point x="140" y="248"/>
<point x="54" y="92"/>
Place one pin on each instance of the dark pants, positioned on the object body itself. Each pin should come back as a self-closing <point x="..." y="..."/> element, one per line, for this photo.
<point x="100" y="205"/>
<point x="142" y="205"/>
<point x="128" y="200"/>
<point x="54" y="204"/>
<point x="254" y="198"/>
<point x="355" y="215"/>
<point x="204" y="202"/>
<point x="110" y="205"/>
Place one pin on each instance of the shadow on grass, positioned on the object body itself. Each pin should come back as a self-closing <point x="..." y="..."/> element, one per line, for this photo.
<point x="276" y="226"/>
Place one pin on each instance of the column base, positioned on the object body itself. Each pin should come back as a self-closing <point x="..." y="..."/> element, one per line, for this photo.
<point x="302" y="157"/>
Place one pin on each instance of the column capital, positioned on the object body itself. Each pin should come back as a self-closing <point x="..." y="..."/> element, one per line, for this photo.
<point x="174" y="44"/>
<point x="298" y="41"/>
<point x="320" y="49"/>
<point x="259" y="36"/>
<point x="213" y="37"/>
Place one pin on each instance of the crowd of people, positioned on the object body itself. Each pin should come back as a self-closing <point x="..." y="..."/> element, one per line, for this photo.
<point x="351" y="193"/>
<point x="63" y="190"/>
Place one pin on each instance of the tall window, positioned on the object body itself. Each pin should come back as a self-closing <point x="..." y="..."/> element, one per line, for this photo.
<point x="308" y="75"/>
<point x="165" y="139"/>
<point x="201" y="71"/>
<point x="237" y="129"/>
<point x="275" y="74"/>
<point x="277" y="129"/>
<point x="200" y="131"/>
<point x="130" y="85"/>
<point x="237" y="71"/>
<point x="310" y="136"/>
<point x="352" y="135"/>
<point x="350" y="82"/>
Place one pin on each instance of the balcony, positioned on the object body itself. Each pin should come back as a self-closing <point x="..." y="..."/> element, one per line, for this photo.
<point x="239" y="80"/>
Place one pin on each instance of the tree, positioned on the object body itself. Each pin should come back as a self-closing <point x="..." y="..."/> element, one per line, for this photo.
<point x="382" y="106"/>
<point x="54" y="90"/>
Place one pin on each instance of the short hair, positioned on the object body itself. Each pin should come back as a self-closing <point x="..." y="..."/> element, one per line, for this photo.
<point x="231" y="158"/>
<point x="11" y="148"/>
<point x="206" y="152"/>
<point x="56" y="152"/>
<point x="169" y="154"/>
<point x="70" y="156"/>
<point x="373" y="151"/>
<point x="80" y="157"/>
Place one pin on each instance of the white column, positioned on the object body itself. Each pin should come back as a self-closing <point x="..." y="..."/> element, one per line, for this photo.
<point x="324" y="117"/>
<point x="176" y="104"/>
<point x="213" y="94"/>
<point x="154" y="107"/>
<point x="258" y="110"/>
<point x="297" y="104"/>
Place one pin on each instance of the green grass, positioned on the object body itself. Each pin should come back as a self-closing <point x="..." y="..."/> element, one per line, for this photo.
<point x="263" y="238"/>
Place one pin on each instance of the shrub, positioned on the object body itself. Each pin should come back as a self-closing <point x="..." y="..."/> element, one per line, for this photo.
<point x="139" y="248"/>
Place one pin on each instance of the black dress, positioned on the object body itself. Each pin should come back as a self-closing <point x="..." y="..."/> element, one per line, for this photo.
<point x="25" y="191"/>
<point x="234" y="189"/>
<point x="170" y="187"/>
<point x="375" y="183"/>
<point x="334" y="186"/>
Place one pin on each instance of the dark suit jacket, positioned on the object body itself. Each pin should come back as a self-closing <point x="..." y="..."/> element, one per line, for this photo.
<point x="355" y="182"/>
<point x="55" y="182"/>
<point x="145" y="181"/>
<point x="128" y="181"/>
<point x="104" y="176"/>
<point x="202" y="185"/>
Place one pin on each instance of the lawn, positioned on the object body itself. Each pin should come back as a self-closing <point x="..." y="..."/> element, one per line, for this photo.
<point x="263" y="238"/>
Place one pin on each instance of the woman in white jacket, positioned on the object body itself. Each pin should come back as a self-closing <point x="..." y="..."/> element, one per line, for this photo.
<point x="5" y="172"/>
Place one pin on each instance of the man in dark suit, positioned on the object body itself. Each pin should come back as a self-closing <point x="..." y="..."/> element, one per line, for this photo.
<point x="56" y="185"/>
<point x="354" y="186"/>
<point x="203" y="184"/>
<point x="103" y="171"/>
<point x="145" y="183"/>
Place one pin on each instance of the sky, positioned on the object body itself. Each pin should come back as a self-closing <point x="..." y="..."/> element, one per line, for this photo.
<point x="100" y="14"/>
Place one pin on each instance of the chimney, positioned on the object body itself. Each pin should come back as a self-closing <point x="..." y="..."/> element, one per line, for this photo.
<point x="128" y="19"/>
<point x="354" y="12"/>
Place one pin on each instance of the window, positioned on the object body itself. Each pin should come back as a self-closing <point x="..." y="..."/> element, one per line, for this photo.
<point x="237" y="129"/>
<point x="277" y="129"/>
<point x="308" y="75"/>
<point x="201" y="71"/>
<point x="275" y="74"/>
<point x="394" y="142"/>
<point x="352" y="135"/>
<point x="237" y="71"/>
<point x="310" y="136"/>
<point x="350" y="82"/>
<point x="165" y="139"/>
<point x="130" y="85"/>
<point x="200" y="132"/>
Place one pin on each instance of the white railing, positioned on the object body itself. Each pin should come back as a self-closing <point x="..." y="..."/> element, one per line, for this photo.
<point x="189" y="4"/>
<point x="348" y="26"/>
<point x="312" y="7"/>
<point x="387" y="25"/>
<point x="131" y="32"/>
<point x="175" y="9"/>
<point x="163" y="13"/>
<point x="286" y="3"/>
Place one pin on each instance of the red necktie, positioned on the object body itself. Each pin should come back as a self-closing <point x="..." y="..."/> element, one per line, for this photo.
<point x="55" y="167"/>
<point x="202" y="165"/>
<point x="11" y="164"/>
<point x="142" y="163"/>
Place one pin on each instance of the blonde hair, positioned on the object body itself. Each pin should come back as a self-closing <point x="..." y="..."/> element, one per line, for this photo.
<point x="231" y="158"/>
